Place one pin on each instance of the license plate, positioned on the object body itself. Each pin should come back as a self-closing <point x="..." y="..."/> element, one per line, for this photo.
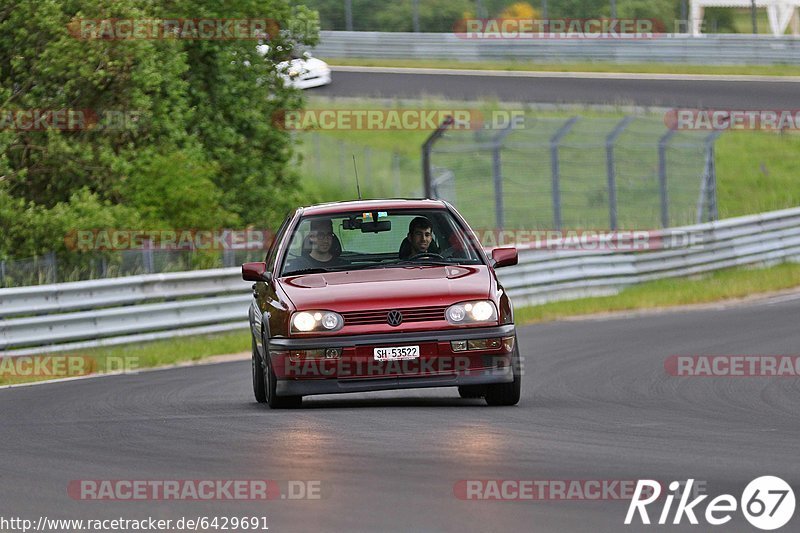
<point x="397" y="353"/>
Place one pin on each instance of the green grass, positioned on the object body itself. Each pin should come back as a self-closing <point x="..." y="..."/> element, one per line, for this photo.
<point x="150" y="354"/>
<point x="757" y="172"/>
<point x="626" y="68"/>
<point x="721" y="285"/>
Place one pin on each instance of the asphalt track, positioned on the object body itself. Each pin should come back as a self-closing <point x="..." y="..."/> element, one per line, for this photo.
<point x="595" y="89"/>
<point x="597" y="404"/>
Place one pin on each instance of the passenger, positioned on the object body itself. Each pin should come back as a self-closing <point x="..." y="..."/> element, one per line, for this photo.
<point x="321" y="248"/>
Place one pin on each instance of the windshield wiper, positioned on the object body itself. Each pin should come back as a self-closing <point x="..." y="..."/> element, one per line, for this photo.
<point x="315" y="270"/>
<point x="420" y="262"/>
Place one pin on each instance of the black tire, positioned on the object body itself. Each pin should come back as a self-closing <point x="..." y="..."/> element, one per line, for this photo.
<point x="507" y="393"/>
<point x="258" y="376"/>
<point x="472" y="391"/>
<point x="270" y="384"/>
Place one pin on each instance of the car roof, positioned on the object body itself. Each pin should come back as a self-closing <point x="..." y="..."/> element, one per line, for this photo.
<point x="371" y="205"/>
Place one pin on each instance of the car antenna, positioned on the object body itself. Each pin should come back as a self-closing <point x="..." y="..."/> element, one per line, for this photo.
<point x="356" y="170"/>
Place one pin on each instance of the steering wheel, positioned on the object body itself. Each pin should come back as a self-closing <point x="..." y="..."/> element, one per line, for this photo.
<point x="424" y="254"/>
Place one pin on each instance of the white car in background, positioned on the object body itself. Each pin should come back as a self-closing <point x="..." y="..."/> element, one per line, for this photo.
<point x="302" y="72"/>
<point x="305" y="72"/>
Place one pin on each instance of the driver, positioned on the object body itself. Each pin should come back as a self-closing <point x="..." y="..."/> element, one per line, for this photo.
<point x="420" y="239"/>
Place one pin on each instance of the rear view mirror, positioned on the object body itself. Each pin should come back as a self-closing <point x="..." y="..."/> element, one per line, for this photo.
<point x="376" y="227"/>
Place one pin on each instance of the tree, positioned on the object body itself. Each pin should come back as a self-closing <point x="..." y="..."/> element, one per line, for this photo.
<point x="196" y="144"/>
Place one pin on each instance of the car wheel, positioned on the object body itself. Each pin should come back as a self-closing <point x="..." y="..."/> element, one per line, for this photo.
<point x="270" y="384"/>
<point x="507" y="393"/>
<point x="258" y="376"/>
<point x="472" y="391"/>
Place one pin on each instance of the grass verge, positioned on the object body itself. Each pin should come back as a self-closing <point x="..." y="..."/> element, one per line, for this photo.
<point x="728" y="284"/>
<point x="129" y="357"/>
<point x="607" y="67"/>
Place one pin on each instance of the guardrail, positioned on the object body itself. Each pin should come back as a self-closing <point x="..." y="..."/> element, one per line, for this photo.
<point x="71" y="316"/>
<point x="718" y="49"/>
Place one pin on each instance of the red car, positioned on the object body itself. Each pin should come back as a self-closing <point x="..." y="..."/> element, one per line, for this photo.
<point x="381" y="294"/>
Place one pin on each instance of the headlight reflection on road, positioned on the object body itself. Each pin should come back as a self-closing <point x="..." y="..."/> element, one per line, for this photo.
<point x="474" y="442"/>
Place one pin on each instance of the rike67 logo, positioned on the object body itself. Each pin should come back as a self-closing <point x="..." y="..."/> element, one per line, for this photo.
<point x="767" y="503"/>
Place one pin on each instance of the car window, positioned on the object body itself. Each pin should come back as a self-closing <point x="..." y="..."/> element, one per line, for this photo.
<point x="375" y="239"/>
<point x="273" y="249"/>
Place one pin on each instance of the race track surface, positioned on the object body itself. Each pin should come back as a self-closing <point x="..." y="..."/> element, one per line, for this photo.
<point x="597" y="404"/>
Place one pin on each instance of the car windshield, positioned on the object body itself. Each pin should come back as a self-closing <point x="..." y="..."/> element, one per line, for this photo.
<point x="378" y="239"/>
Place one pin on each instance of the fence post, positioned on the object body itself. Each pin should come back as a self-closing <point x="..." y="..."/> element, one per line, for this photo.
<point x="556" y="170"/>
<point x="711" y="190"/>
<point x="348" y="15"/>
<point x="147" y="257"/>
<point x="611" y="169"/>
<point x="3" y="273"/>
<point x="427" y="147"/>
<point x="341" y="162"/>
<point x="317" y="153"/>
<point x="368" y="165"/>
<point x="396" y="174"/>
<point x="497" y="175"/>
<point x="52" y="265"/>
<point x="662" y="176"/>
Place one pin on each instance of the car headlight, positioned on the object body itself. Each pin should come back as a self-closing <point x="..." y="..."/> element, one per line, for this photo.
<point x="471" y="312"/>
<point x="307" y="321"/>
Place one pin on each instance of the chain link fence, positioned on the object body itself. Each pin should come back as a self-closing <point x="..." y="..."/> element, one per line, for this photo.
<point x="327" y="169"/>
<point x="576" y="172"/>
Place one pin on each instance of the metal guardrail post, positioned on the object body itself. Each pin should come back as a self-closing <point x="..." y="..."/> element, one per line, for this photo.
<point x="611" y="169"/>
<point x="662" y="176"/>
<point x="556" y="170"/>
<point x="427" y="146"/>
<point x="497" y="175"/>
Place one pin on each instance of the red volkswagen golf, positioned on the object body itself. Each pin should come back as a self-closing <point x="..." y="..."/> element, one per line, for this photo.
<point x="381" y="294"/>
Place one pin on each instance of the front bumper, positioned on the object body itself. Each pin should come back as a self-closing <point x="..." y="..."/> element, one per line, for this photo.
<point x="356" y="370"/>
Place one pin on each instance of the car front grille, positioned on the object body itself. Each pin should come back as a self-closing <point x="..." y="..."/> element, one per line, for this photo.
<point x="411" y="314"/>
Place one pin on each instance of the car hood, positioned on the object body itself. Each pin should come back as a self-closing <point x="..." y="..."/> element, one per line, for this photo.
<point x="388" y="288"/>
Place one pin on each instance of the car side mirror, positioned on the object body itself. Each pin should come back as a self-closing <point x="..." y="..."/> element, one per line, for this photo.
<point x="503" y="257"/>
<point x="256" y="272"/>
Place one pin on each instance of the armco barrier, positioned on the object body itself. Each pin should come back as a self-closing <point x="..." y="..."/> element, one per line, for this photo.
<point x="717" y="49"/>
<point x="70" y="316"/>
